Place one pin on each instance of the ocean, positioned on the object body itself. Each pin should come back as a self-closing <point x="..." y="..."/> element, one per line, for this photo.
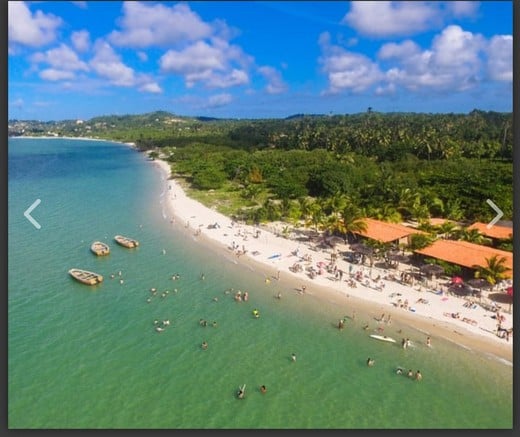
<point x="83" y="357"/>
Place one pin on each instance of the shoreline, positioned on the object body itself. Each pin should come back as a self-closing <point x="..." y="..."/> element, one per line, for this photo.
<point x="271" y="254"/>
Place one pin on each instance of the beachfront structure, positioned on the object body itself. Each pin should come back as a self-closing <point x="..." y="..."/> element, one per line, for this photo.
<point x="385" y="232"/>
<point x="495" y="232"/>
<point x="466" y="254"/>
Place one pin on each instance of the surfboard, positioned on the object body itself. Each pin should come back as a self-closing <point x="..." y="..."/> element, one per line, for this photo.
<point x="383" y="338"/>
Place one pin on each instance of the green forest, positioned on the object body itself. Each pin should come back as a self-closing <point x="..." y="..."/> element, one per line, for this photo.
<point x="331" y="171"/>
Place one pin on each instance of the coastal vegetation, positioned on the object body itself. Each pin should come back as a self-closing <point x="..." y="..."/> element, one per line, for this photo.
<point x="329" y="172"/>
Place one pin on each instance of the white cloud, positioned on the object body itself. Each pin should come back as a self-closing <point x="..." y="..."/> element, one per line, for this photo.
<point x="210" y="64"/>
<point x="392" y="18"/>
<point x="30" y="29"/>
<point x="460" y="9"/>
<point x="196" y="58"/>
<point x="500" y="58"/>
<point x="151" y="87"/>
<point x="219" y="100"/>
<point x="107" y="64"/>
<point x="62" y="58"/>
<point x="81" y="40"/>
<point x="53" y="74"/>
<point x="455" y="61"/>
<point x="80" y="4"/>
<point x="142" y="56"/>
<point x="348" y="71"/>
<point x="404" y="18"/>
<point x="145" y="25"/>
<point x="275" y="84"/>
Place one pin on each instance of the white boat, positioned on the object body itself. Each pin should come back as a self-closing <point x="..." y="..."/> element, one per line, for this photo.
<point x="126" y="241"/>
<point x="86" y="277"/>
<point x="100" y="248"/>
<point x="383" y="338"/>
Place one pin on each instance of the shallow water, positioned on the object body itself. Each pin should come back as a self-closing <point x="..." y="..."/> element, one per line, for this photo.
<point x="89" y="357"/>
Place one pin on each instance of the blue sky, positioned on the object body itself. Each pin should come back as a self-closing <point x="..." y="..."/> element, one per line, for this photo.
<point x="81" y="59"/>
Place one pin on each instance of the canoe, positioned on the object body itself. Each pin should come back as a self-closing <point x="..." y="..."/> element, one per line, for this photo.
<point x="126" y="241"/>
<point x="86" y="277"/>
<point x="383" y="338"/>
<point x="100" y="248"/>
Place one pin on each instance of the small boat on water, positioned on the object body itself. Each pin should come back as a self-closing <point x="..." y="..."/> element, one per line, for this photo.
<point x="126" y="241"/>
<point x="86" y="277"/>
<point x="100" y="248"/>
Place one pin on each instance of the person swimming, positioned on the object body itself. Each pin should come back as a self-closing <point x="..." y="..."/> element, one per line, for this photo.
<point x="204" y="345"/>
<point x="256" y="313"/>
<point x="370" y="362"/>
<point x="263" y="389"/>
<point x="418" y="375"/>
<point x="399" y="371"/>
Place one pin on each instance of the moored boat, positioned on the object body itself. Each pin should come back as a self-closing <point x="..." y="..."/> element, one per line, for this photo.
<point x="86" y="277"/>
<point x="100" y="248"/>
<point x="126" y="241"/>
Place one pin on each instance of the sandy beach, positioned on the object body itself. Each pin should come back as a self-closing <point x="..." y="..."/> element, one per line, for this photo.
<point x="375" y="291"/>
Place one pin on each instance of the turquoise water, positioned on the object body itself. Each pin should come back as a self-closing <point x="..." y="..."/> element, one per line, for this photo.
<point x="89" y="357"/>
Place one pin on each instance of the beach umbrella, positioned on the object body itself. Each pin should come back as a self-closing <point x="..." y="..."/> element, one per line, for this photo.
<point x="398" y="257"/>
<point x="460" y="289"/>
<point x="457" y="280"/>
<point x="432" y="269"/>
<point x="362" y="249"/>
<point x="501" y="297"/>
<point x="333" y="241"/>
<point x="509" y="291"/>
<point x="479" y="283"/>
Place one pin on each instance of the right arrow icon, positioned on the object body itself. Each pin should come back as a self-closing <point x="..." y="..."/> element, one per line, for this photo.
<point x="498" y="211"/>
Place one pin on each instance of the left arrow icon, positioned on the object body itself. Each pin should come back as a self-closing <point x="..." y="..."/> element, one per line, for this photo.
<point x="27" y="213"/>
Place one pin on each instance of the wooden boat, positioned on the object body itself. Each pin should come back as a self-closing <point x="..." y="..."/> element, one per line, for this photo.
<point x="100" y="248"/>
<point x="86" y="277"/>
<point x="126" y="241"/>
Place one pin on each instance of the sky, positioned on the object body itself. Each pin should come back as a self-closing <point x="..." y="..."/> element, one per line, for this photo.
<point x="257" y="59"/>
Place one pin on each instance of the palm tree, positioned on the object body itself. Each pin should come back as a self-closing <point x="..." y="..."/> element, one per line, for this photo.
<point x="316" y="216"/>
<point x="495" y="269"/>
<point x="472" y="236"/>
<point x="447" y="229"/>
<point x="353" y="221"/>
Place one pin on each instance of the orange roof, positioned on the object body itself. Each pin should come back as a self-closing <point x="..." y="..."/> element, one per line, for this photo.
<point x="465" y="254"/>
<point x="440" y="221"/>
<point x="493" y="232"/>
<point x="386" y="232"/>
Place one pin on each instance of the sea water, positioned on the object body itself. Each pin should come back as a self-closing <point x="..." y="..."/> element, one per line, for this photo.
<point x="90" y="357"/>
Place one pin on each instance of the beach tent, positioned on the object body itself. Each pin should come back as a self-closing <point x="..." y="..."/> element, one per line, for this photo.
<point x="460" y="289"/>
<point x="480" y="284"/>
<point x="432" y="269"/>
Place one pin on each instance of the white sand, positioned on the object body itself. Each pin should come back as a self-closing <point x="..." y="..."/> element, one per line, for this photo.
<point x="431" y="316"/>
